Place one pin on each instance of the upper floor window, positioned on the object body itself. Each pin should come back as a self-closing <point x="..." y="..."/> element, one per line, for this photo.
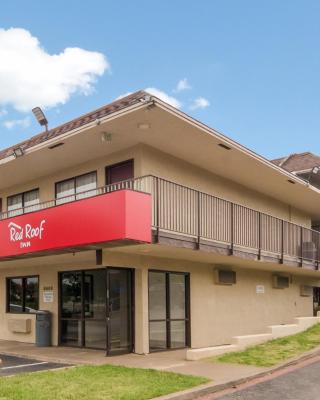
<point x="23" y="202"/>
<point x="120" y="172"/>
<point x="23" y="294"/>
<point x="76" y="188"/>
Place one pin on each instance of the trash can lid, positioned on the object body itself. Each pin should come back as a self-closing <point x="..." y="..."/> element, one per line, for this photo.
<point x="42" y="312"/>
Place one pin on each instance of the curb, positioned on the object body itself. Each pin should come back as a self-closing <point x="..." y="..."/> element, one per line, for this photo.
<point x="203" y="390"/>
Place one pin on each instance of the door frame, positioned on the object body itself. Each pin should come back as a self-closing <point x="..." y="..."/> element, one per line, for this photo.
<point x="108" y="167"/>
<point x="187" y="308"/>
<point x="82" y="319"/>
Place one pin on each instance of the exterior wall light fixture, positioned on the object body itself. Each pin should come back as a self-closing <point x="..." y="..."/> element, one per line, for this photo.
<point x="41" y="118"/>
<point x="18" y="152"/>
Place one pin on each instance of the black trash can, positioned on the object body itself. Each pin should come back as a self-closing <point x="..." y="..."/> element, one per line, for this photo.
<point x="43" y="328"/>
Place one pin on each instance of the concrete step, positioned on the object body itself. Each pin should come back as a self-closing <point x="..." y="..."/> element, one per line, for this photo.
<point x="250" y="340"/>
<point x="306" y="322"/>
<point x="278" y="331"/>
<point x="205" y="352"/>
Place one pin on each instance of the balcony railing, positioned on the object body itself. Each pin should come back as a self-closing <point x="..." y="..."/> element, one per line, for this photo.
<point x="203" y="217"/>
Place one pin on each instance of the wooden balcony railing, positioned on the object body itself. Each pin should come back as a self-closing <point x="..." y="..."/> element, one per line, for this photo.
<point x="185" y="211"/>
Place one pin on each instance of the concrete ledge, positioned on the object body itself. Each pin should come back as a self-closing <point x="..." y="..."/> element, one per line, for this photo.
<point x="307" y="322"/>
<point x="239" y="343"/>
<point x="205" y="352"/>
<point x="249" y="340"/>
<point x="278" y="331"/>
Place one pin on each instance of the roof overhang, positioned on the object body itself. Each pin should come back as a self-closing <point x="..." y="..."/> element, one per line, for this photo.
<point x="172" y="132"/>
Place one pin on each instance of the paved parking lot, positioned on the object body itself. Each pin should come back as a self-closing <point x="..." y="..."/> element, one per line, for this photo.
<point x="12" y="365"/>
<point x="300" y="384"/>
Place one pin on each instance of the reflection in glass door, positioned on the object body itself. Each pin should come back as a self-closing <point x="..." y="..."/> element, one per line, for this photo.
<point x="119" y="311"/>
<point x="96" y="309"/>
<point x="169" y="321"/>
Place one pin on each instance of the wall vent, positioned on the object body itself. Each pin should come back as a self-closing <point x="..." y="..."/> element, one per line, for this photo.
<point x="225" y="277"/>
<point x="281" y="282"/>
<point x="306" y="291"/>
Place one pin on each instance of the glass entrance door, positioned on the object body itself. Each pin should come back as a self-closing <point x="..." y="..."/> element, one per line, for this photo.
<point x="169" y="322"/>
<point x="95" y="309"/>
<point x="119" y="311"/>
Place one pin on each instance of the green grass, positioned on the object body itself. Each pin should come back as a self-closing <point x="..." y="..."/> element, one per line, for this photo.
<point x="104" y="382"/>
<point x="276" y="351"/>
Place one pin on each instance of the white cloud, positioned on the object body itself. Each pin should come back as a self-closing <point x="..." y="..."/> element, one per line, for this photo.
<point x="123" y="95"/>
<point x="199" y="102"/>
<point x="24" y="123"/>
<point x="164" y="96"/>
<point x="3" y="112"/>
<point x="183" y="84"/>
<point x="30" y="76"/>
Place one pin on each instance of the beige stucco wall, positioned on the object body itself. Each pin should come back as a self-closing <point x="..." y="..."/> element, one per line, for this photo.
<point x="217" y="312"/>
<point x="148" y="160"/>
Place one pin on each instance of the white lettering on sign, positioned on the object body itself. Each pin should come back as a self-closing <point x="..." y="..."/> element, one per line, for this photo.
<point x="48" y="296"/>
<point x="23" y="234"/>
<point x="260" y="289"/>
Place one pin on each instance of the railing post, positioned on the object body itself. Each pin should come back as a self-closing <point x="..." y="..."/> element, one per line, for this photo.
<point x="282" y="242"/>
<point x="259" y="235"/>
<point x="232" y="228"/>
<point x="199" y="220"/>
<point x="301" y="246"/>
<point x="157" y="210"/>
<point x="318" y="251"/>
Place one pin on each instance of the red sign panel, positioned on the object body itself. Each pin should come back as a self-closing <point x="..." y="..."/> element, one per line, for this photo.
<point x="121" y="215"/>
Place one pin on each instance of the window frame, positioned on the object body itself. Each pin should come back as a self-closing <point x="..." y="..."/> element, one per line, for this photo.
<point x="23" y="200"/>
<point x="74" y="179"/>
<point x="24" y="280"/>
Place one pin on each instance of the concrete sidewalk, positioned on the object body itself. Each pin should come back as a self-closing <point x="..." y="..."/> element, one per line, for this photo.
<point x="172" y="361"/>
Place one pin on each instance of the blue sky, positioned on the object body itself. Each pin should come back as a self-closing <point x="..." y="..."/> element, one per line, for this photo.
<point x="256" y="63"/>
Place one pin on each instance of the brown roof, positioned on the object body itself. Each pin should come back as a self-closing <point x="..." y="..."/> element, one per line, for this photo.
<point x="110" y="108"/>
<point x="298" y="161"/>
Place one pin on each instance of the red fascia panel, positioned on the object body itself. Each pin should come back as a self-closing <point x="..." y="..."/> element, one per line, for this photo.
<point x="120" y="215"/>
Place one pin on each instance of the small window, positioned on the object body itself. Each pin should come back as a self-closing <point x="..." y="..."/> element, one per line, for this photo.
<point x="23" y="294"/>
<point x="76" y="188"/>
<point x="23" y="203"/>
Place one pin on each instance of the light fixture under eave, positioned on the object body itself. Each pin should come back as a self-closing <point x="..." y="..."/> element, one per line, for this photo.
<point x="224" y="146"/>
<point x="41" y="118"/>
<point x="18" y="152"/>
<point x="54" y="146"/>
<point x="144" y="126"/>
<point x="106" y="137"/>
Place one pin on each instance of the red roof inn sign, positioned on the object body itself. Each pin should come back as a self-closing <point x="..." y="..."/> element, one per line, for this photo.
<point x="24" y="234"/>
<point x="117" y="216"/>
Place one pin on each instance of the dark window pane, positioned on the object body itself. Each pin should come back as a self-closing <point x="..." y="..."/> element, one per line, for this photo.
<point x="96" y="332"/>
<point x="31" y="200"/>
<point x="71" y="332"/>
<point x="120" y="172"/>
<point x="95" y="294"/>
<point x="158" y="335"/>
<point x="86" y="185"/>
<point x="177" y="296"/>
<point x="65" y="191"/>
<point x="157" y="295"/>
<point x="71" y="295"/>
<point x="119" y="310"/>
<point x="178" y="334"/>
<point x="31" y="294"/>
<point x="15" y="205"/>
<point x="15" y="295"/>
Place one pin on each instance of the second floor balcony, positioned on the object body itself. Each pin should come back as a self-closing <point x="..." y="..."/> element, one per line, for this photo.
<point x="186" y="217"/>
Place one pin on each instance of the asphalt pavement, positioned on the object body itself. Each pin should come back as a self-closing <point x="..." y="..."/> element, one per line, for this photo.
<point x="12" y="365"/>
<point x="300" y="384"/>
